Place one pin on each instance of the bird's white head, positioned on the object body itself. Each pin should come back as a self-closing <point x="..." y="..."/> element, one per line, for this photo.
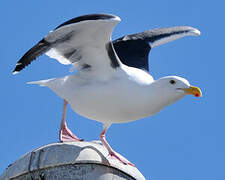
<point x="172" y="88"/>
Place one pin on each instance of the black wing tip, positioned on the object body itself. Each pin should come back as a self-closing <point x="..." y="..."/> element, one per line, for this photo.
<point x="15" y="72"/>
<point x="89" y="17"/>
<point x="40" y="48"/>
<point x="19" y="67"/>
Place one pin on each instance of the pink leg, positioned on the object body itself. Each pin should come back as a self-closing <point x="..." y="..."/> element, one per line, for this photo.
<point x="65" y="135"/>
<point x="112" y="153"/>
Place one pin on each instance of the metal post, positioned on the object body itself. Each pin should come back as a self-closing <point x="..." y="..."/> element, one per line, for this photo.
<point x="70" y="161"/>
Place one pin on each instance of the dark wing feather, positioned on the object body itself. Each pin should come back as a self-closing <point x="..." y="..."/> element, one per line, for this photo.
<point x="133" y="53"/>
<point x="133" y="50"/>
<point x="36" y="51"/>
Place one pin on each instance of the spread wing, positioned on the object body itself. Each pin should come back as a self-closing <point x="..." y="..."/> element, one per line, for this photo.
<point x="133" y="50"/>
<point x="84" y="41"/>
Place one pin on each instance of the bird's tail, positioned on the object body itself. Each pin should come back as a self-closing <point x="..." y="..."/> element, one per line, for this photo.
<point x="41" y="82"/>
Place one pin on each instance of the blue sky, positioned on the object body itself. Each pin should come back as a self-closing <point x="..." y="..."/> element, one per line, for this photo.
<point x="184" y="141"/>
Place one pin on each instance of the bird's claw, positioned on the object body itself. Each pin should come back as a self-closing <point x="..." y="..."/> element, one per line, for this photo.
<point x="121" y="159"/>
<point x="66" y="135"/>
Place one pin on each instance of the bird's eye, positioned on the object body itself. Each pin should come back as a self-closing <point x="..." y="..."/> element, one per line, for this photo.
<point x="172" y="82"/>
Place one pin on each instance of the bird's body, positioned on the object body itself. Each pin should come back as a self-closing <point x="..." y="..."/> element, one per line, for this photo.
<point x="107" y="99"/>
<point x="106" y="88"/>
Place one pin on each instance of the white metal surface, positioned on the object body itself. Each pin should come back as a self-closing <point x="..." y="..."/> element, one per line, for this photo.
<point x="80" y="160"/>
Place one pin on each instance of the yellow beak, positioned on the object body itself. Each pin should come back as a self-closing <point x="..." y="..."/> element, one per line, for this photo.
<point x="193" y="90"/>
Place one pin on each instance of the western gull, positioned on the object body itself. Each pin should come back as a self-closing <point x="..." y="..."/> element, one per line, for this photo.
<point x="112" y="84"/>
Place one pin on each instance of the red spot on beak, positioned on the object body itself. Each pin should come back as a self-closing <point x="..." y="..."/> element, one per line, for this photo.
<point x="197" y="95"/>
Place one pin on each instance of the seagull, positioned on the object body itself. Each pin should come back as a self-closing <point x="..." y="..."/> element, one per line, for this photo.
<point x="112" y="83"/>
